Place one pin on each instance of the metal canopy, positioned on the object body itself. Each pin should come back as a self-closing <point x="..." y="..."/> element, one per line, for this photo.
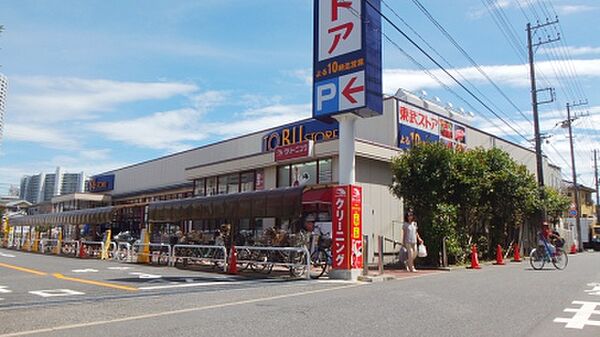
<point x="284" y="202"/>
<point x="92" y="216"/>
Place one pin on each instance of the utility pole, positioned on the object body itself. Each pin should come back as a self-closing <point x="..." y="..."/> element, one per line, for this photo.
<point x="535" y="103"/>
<point x="597" y="188"/>
<point x="569" y="123"/>
<point x="534" y="94"/>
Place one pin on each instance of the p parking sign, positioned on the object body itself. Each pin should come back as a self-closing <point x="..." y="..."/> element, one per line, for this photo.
<point x="347" y="58"/>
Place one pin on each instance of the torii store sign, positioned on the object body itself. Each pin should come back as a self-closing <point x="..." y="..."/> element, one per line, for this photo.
<point x="347" y="58"/>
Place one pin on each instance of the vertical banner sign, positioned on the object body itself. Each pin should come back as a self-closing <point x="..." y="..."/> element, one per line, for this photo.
<point x="347" y="58"/>
<point x="356" y="261"/>
<point x="340" y="250"/>
<point x="347" y="227"/>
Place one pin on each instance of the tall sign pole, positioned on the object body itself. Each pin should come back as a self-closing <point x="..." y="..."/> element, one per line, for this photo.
<point x="347" y="86"/>
<point x="597" y="186"/>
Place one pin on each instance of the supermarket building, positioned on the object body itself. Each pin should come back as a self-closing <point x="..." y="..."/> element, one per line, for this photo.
<point x="256" y="162"/>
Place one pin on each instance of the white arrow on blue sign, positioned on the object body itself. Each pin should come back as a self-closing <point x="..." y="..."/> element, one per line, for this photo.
<point x="340" y="93"/>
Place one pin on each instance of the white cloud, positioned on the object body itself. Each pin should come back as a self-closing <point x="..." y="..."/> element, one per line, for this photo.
<point x="262" y="118"/>
<point x="572" y="51"/>
<point x="511" y="75"/>
<point x="40" y="134"/>
<point x="54" y="99"/>
<point x="181" y="129"/>
<point x="168" y="130"/>
<point x="573" y="9"/>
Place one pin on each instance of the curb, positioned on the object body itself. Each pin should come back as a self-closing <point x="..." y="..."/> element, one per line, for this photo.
<point x="374" y="279"/>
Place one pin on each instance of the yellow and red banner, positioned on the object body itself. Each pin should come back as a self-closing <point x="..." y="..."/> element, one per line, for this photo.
<point x="347" y="227"/>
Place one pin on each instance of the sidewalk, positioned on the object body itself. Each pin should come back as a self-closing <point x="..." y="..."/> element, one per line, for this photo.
<point x="395" y="272"/>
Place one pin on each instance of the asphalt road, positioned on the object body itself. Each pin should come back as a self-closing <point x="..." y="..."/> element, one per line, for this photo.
<point x="57" y="296"/>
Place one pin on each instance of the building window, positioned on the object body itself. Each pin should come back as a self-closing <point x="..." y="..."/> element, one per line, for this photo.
<point x="304" y="174"/>
<point x="325" y="171"/>
<point x="309" y="173"/>
<point x="247" y="181"/>
<point x="199" y="187"/>
<point x="211" y="186"/>
<point x="283" y="176"/>
<point x="233" y="183"/>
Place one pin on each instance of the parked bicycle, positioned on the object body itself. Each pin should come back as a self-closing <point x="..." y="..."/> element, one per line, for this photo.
<point x="320" y="258"/>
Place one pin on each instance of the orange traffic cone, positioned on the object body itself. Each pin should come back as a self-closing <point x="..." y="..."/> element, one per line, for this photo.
<point x="499" y="258"/>
<point x="474" y="258"/>
<point x="81" y="250"/>
<point x="517" y="256"/>
<point x="233" y="262"/>
<point x="573" y="249"/>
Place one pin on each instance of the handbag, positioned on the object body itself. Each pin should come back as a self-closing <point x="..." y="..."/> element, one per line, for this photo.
<point x="422" y="251"/>
<point x="403" y="254"/>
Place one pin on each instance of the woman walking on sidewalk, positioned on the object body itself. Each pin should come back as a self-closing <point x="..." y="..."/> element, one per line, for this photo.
<point x="410" y="239"/>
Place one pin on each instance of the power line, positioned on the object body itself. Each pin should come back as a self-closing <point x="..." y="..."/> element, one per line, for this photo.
<point x="474" y="87"/>
<point x="443" y="69"/>
<point x="466" y="55"/>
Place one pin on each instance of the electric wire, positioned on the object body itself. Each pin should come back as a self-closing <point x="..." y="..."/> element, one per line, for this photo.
<point x="458" y="73"/>
<point x="467" y="56"/>
<point x="408" y="38"/>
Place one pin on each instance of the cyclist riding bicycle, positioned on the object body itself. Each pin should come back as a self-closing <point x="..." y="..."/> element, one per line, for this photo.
<point x="550" y="239"/>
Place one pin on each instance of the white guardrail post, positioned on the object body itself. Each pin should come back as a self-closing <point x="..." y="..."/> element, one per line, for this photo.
<point x="212" y="258"/>
<point x="150" y="245"/>
<point x="304" y="263"/>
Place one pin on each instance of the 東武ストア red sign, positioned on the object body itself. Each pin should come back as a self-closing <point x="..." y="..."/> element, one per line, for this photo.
<point x="293" y="151"/>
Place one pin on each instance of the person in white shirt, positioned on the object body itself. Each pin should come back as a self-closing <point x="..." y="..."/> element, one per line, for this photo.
<point x="410" y="239"/>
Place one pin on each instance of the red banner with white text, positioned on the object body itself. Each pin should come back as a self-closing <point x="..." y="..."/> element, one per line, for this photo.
<point x="347" y="227"/>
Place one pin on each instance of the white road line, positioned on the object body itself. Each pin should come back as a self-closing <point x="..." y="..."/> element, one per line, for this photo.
<point x="6" y="255"/>
<point x="119" y="268"/>
<point x="88" y="270"/>
<point x="582" y="315"/>
<point x="145" y="276"/>
<point x="175" y="312"/>
<point x="56" y="292"/>
<point x="4" y="290"/>
<point x="186" y="285"/>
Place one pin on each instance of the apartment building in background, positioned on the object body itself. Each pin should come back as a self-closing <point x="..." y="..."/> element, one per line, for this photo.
<point x="42" y="187"/>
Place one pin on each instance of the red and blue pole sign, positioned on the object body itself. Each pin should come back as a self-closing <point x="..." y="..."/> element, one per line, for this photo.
<point x="347" y="58"/>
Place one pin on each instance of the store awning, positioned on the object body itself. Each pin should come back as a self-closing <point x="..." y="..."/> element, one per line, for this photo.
<point x="92" y="216"/>
<point x="284" y="203"/>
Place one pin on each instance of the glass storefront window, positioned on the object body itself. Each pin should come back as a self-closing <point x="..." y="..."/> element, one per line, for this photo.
<point x="325" y="171"/>
<point x="199" y="187"/>
<point x="283" y="176"/>
<point x="233" y="183"/>
<point x="211" y="186"/>
<point x="308" y="173"/>
<point x="304" y="174"/>
<point x="222" y="185"/>
<point x="247" y="182"/>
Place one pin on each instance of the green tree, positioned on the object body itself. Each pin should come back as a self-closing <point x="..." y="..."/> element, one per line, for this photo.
<point x="421" y="177"/>
<point x="479" y="196"/>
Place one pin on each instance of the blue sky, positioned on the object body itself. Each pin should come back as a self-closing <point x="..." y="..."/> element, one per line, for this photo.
<point x="96" y="85"/>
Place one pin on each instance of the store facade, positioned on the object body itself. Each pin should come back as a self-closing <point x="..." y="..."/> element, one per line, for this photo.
<point x="304" y="154"/>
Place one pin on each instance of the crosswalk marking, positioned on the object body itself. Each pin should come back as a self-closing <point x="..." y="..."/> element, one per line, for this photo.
<point x="582" y="315"/>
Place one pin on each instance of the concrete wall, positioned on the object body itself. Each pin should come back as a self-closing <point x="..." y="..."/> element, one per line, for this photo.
<point x="382" y="212"/>
<point x="170" y="170"/>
